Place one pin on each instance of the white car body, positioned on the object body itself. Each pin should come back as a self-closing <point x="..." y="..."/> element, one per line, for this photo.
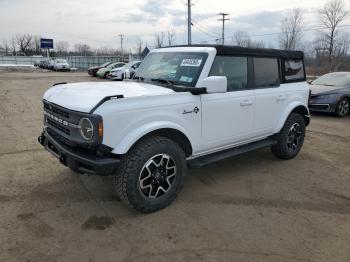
<point x="124" y="72"/>
<point x="224" y="119"/>
<point x="61" y="64"/>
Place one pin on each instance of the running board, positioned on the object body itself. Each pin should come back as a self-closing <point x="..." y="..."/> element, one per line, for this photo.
<point x="214" y="157"/>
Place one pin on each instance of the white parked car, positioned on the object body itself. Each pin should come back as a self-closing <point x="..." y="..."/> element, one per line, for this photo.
<point x="61" y="65"/>
<point x="125" y="72"/>
<point x="185" y="107"/>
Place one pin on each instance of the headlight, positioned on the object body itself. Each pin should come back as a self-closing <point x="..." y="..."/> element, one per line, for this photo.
<point x="86" y="128"/>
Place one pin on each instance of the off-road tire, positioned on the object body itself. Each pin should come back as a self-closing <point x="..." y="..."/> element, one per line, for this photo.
<point x="340" y="111"/>
<point x="282" y="149"/>
<point x="127" y="182"/>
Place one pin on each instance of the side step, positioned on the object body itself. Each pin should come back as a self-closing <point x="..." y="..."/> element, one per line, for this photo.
<point x="214" y="157"/>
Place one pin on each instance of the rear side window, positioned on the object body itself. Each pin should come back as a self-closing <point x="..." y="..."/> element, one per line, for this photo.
<point x="293" y="70"/>
<point x="266" y="72"/>
<point x="234" y="68"/>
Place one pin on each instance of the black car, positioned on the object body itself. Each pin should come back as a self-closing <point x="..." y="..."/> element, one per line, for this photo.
<point x="93" y="70"/>
<point x="331" y="93"/>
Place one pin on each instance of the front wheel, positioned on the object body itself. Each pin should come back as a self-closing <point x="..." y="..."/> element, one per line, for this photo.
<point x="291" y="138"/>
<point x="151" y="174"/>
<point x="343" y="107"/>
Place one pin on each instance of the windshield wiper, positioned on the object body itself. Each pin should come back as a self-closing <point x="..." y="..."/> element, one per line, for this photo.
<point x="161" y="80"/>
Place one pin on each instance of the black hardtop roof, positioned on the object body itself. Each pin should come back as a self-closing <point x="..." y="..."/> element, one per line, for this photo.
<point x="264" y="52"/>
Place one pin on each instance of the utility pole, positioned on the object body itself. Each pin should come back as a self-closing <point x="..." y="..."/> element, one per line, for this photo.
<point x="189" y="22"/>
<point x="223" y="19"/>
<point x="121" y="43"/>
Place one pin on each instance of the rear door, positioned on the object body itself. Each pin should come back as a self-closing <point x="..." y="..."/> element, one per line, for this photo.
<point x="228" y="118"/>
<point x="271" y="98"/>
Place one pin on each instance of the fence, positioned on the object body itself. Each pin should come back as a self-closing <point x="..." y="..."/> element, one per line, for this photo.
<point x="80" y="62"/>
<point x="19" y="60"/>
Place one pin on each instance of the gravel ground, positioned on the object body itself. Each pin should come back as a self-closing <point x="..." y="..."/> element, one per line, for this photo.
<point x="250" y="208"/>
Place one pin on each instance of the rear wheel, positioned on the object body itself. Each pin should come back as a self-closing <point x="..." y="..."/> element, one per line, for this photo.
<point x="106" y="75"/>
<point x="291" y="138"/>
<point x="343" y="107"/>
<point x="151" y="174"/>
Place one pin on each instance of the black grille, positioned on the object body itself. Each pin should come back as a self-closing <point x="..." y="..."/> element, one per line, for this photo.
<point x="323" y="107"/>
<point x="58" y="126"/>
<point x="60" y="138"/>
<point x="56" y="110"/>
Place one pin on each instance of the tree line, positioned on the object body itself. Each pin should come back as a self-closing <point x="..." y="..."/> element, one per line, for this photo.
<point x="329" y="49"/>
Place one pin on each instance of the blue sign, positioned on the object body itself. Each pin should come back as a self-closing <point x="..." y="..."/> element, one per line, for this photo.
<point x="46" y="43"/>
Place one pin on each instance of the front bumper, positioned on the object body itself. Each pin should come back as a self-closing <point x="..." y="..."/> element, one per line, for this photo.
<point x="81" y="162"/>
<point x="320" y="107"/>
<point x="92" y="72"/>
<point x="117" y="76"/>
<point x="62" y="68"/>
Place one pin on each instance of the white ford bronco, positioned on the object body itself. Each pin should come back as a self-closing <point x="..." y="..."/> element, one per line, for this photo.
<point x="187" y="106"/>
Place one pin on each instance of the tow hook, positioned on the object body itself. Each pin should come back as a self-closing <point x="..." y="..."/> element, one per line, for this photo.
<point x="41" y="139"/>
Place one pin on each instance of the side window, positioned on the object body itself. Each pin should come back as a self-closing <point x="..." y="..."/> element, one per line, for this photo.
<point x="266" y="72"/>
<point x="234" y="68"/>
<point x="293" y="70"/>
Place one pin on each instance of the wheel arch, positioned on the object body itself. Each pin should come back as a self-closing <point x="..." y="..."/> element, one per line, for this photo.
<point x="168" y="130"/>
<point x="173" y="134"/>
<point x="297" y="108"/>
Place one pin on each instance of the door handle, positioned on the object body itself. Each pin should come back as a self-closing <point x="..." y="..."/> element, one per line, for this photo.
<point x="280" y="98"/>
<point x="246" y="103"/>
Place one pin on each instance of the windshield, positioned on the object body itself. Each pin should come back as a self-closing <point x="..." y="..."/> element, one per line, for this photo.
<point x="333" y="79"/>
<point x="111" y="65"/>
<point x="178" y="67"/>
<point x="61" y="61"/>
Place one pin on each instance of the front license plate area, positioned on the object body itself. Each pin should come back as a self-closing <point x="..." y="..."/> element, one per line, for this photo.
<point x="52" y="149"/>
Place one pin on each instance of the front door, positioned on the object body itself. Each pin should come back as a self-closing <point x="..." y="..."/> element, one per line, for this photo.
<point x="228" y="118"/>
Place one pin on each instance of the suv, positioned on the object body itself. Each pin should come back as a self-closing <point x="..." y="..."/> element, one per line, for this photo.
<point x="187" y="106"/>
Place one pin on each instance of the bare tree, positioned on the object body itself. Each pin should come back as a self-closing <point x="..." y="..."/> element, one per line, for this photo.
<point x="159" y="39"/>
<point x="332" y="15"/>
<point x="6" y="46"/>
<point x="24" y="41"/>
<point x="62" y="47"/>
<point x="139" y="45"/>
<point x="105" y="50"/>
<point x="258" y="44"/>
<point x="83" y="49"/>
<point x="291" y="30"/>
<point x="171" y="37"/>
<point x="342" y="46"/>
<point x="35" y="45"/>
<point x="13" y="45"/>
<point x="242" y="38"/>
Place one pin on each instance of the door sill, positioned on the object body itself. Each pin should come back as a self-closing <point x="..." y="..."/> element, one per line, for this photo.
<point x="217" y="156"/>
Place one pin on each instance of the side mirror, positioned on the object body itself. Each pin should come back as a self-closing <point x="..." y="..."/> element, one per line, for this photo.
<point x="214" y="84"/>
<point x="309" y="81"/>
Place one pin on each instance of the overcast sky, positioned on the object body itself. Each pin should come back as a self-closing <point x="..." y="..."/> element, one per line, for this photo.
<point x="98" y="22"/>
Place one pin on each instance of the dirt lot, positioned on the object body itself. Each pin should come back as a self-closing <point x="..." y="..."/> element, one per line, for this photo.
<point x="250" y="208"/>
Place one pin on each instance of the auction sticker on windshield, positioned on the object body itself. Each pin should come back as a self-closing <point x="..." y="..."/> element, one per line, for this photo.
<point x="191" y="62"/>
